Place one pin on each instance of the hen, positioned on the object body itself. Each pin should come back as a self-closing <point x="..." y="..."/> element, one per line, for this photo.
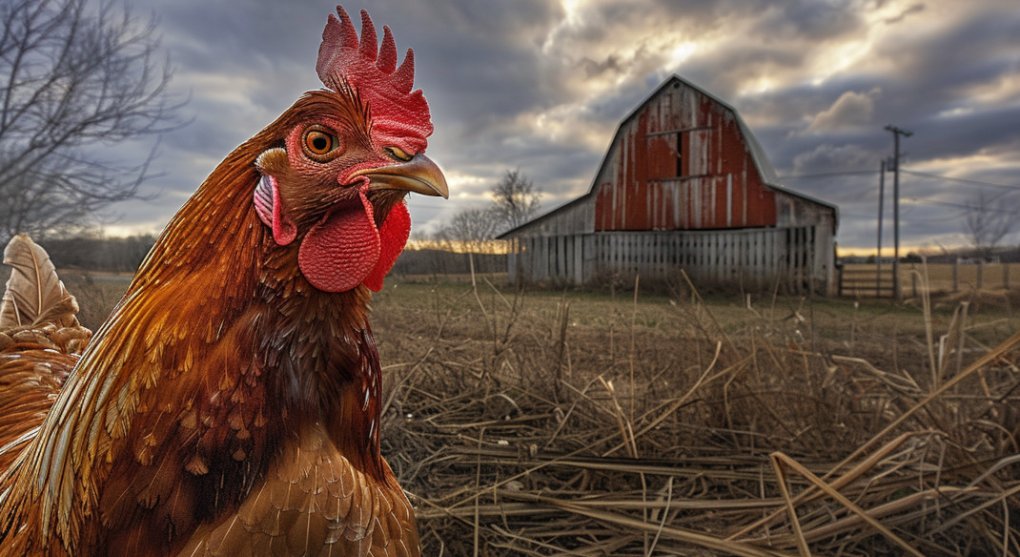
<point x="230" y="404"/>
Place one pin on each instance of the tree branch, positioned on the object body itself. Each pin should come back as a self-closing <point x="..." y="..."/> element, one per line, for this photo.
<point x="81" y="76"/>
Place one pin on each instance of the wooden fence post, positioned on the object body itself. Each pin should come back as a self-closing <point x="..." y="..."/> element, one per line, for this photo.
<point x="980" y="269"/>
<point x="913" y="283"/>
<point x="1005" y="275"/>
<point x="956" y="275"/>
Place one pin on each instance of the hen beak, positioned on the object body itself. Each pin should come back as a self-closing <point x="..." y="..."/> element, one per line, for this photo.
<point x="419" y="175"/>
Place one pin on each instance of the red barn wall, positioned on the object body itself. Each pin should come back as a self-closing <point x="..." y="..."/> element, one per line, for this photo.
<point x="717" y="185"/>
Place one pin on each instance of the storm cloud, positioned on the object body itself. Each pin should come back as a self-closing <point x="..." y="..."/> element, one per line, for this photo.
<point x="542" y="86"/>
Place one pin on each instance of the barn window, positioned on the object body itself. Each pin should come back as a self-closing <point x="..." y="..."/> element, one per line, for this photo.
<point x="679" y="154"/>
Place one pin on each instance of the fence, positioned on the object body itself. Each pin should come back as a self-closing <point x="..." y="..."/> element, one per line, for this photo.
<point x="791" y="259"/>
<point x="860" y="279"/>
<point x="867" y="281"/>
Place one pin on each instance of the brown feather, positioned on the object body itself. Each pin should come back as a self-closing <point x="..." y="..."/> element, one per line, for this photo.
<point x="34" y="295"/>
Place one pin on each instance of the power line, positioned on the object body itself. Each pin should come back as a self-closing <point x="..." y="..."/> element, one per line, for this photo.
<point x="827" y="174"/>
<point x="953" y="217"/>
<point x="905" y="171"/>
<point x="961" y="180"/>
<point x="963" y="206"/>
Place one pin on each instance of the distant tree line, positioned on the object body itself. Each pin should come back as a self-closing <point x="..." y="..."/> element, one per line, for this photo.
<point x="93" y="253"/>
<point x="99" y="254"/>
<point x="445" y="262"/>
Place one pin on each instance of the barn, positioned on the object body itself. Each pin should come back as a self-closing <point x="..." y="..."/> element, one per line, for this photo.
<point x="684" y="185"/>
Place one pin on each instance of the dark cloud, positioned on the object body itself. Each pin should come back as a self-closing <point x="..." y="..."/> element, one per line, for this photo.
<point x="990" y="131"/>
<point x="834" y="158"/>
<point x="912" y="9"/>
<point x="609" y="64"/>
<point x="808" y="20"/>
<point x="542" y="86"/>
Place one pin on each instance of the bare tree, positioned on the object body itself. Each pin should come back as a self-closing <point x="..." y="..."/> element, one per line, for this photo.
<point x="988" y="222"/>
<point x="470" y="228"/>
<point x="77" y="77"/>
<point x="516" y="200"/>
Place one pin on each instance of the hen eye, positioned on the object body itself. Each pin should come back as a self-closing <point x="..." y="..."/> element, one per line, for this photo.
<point x="398" y="154"/>
<point x="319" y="142"/>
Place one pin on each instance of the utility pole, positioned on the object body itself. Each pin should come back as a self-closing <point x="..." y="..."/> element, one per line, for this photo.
<point x="878" y="254"/>
<point x="897" y="132"/>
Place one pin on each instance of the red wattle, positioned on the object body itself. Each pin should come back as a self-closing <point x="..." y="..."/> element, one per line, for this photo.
<point x="342" y="250"/>
<point x="393" y="236"/>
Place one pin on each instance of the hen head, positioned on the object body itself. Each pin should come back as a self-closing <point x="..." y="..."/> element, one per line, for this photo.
<point x="345" y="158"/>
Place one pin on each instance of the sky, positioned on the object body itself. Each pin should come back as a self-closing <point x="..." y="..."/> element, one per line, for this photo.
<point x="541" y="86"/>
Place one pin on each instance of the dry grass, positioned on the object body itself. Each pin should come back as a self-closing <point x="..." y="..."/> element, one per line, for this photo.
<point x="547" y="424"/>
<point x="582" y="424"/>
<point x="97" y="293"/>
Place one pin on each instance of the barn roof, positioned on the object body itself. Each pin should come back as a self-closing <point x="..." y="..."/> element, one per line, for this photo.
<point x="761" y="161"/>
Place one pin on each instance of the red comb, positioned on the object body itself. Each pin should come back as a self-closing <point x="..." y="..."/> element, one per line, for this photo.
<point x="373" y="72"/>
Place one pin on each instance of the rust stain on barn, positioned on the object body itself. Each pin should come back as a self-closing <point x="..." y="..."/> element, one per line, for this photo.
<point x="683" y="184"/>
<point x="681" y="163"/>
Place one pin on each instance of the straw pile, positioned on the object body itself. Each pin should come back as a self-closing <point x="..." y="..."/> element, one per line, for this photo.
<point x="517" y="433"/>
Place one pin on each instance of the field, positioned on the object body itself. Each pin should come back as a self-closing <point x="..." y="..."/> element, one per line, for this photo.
<point x="585" y="423"/>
